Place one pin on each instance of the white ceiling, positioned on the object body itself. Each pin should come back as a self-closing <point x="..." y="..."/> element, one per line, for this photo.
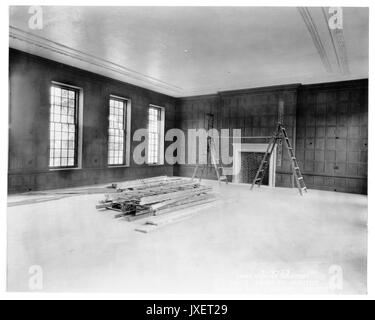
<point x="184" y="51"/>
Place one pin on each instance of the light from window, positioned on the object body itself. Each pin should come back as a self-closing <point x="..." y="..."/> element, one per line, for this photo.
<point x="154" y="126"/>
<point x="63" y="127"/>
<point x="116" y="131"/>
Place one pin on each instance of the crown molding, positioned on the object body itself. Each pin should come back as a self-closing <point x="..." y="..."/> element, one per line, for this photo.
<point x="338" y="44"/>
<point x="134" y="77"/>
<point x="337" y="85"/>
<point x="260" y="90"/>
<point x="313" y="30"/>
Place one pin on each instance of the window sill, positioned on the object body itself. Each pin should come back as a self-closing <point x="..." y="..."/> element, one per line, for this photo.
<point x="119" y="166"/>
<point x="65" y="169"/>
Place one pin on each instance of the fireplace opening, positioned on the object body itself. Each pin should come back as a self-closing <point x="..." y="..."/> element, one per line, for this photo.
<point x="246" y="161"/>
<point x="250" y="162"/>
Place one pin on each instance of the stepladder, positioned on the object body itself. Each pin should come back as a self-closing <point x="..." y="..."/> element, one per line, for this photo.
<point x="280" y="137"/>
<point x="212" y="162"/>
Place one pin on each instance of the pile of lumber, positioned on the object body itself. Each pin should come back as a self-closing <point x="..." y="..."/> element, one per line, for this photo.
<point x="155" y="196"/>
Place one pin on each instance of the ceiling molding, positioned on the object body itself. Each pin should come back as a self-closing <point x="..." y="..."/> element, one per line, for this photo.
<point x="54" y="47"/>
<point x="341" y="85"/>
<point x="277" y="88"/>
<point x="338" y="43"/>
<point x="313" y="30"/>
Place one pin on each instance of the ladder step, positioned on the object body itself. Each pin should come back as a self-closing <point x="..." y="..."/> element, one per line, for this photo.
<point x="278" y="137"/>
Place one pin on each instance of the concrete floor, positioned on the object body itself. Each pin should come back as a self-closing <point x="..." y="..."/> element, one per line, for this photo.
<point x="262" y="241"/>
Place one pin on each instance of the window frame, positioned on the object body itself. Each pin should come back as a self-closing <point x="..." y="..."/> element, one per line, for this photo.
<point x="126" y="103"/>
<point x="161" y="132"/>
<point x="127" y="132"/>
<point x="77" y="123"/>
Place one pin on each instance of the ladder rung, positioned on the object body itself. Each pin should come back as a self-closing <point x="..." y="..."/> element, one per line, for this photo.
<point x="279" y="135"/>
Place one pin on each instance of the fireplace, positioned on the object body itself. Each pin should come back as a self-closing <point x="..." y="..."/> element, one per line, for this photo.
<point x="250" y="162"/>
<point x="246" y="161"/>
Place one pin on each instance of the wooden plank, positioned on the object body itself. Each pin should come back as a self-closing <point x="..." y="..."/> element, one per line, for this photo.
<point x="183" y="206"/>
<point x="165" y="194"/>
<point x="134" y="218"/>
<point x="157" y="222"/>
<point x="168" y="196"/>
<point x="184" y="203"/>
<point x="145" y="182"/>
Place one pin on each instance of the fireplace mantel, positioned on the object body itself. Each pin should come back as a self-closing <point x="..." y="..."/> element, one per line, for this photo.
<point x="238" y="148"/>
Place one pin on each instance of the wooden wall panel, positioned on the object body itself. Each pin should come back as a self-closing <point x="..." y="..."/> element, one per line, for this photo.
<point x="30" y="79"/>
<point x="332" y="128"/>
<point x="328" y="121"/>
<point x="254" y="111"/>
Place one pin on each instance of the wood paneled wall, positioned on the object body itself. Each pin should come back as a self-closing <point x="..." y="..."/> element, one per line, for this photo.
<point x="254" y="111"/>
<point x="332" y="135"/>
<point x="327" y="124"/>
<point x="30" y="80"/>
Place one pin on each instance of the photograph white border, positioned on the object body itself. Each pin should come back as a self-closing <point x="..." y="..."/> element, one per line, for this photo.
<point x="4" y="32"/>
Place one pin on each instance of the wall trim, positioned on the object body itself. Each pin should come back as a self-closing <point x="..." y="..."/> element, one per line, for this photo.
<point x="278" y="88"/>
<point x="55" y="47"/>
<point x="341" y="85"/>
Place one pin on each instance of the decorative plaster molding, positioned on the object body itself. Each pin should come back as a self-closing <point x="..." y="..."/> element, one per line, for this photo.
<point x="338" y="43"/>
<point x="54" y="47"/>
<point x="313" y="30"/>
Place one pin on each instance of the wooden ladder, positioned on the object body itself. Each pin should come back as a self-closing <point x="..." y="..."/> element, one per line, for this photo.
<point x="211" y="150"/>
<point x="280" y="135"/>
<point x="204" y="168"/>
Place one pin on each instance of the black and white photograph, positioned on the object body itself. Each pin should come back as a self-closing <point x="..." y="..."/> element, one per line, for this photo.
<point x="187" y="150"/>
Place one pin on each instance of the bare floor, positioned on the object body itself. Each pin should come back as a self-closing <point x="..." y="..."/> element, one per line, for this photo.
<point x="262" y="241"/>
